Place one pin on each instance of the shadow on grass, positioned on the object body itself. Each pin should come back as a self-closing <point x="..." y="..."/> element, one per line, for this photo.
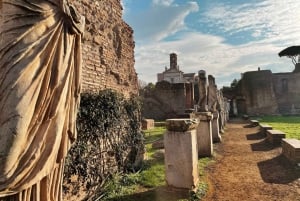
<point x="255" y="136"/>
<point x="162" y="193"/>
<point x="278" y="170"/>
<point x="263" y="145"/>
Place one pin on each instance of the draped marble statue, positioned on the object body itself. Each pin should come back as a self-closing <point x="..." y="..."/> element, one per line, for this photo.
<point x="202" y="103"/>
<point x="40" y="65"/>
<point x="212" y="94"/>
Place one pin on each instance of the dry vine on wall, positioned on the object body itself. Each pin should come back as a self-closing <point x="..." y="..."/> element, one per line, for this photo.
<point x="109" y="141"/>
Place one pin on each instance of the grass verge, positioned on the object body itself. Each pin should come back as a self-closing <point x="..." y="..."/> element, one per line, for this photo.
<point x="288" y="124"/>
<point x="129" y="187"/>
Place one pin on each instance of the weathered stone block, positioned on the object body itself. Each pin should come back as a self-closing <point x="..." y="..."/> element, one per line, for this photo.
<point x="275" y="136"/>
<point x="264" y="128"/>
<point x="159" y="144"/>
<point x="181" y="125"/>
<point x="181" y="159"/>
<point x="147" y="124"/>
<point x="291" y="149"/>
<point x="254" y="122"/>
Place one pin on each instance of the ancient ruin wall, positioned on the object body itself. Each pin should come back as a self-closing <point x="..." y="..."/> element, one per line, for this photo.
<point x="287" y="87"/>
<point x="108" y="48"/>
<point x="165" y="101"/>
<point x="259" y="92"/>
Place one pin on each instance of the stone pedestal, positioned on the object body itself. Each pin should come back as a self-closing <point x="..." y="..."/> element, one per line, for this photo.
<point x="181" y="154"/>
<point x="204" y="134"/>
<point x="215" y="128"/>
<point x="147" y="124"/>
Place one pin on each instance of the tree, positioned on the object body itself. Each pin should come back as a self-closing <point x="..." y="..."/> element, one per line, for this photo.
<point x="142" y="84"/>
<point x="145" y="88"/>
<point x="292" y="52"/>
<point x="233" y="83"/>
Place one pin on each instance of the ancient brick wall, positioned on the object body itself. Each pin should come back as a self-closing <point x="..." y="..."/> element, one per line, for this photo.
<point x="165" y="101"/>
<point x="108" y="48"/>
<point x="264" y="92"/>
<point x="287" y="92"/>
<point x="258" y="91"/>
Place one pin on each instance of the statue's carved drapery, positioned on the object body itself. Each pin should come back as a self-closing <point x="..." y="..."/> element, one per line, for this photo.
<point x="40" y="64"/>
<point x="212" y="94"/>
<point x="203" y="93"/>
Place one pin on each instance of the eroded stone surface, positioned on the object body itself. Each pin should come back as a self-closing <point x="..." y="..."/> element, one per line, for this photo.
<point x="275" y="136"/>
<point x="181" y="159"/>
<point x="147" y="124"/>
<point x="181" y="125"/>
<point x="204" y="134"/>
<point x="108" y="48"/>
<point x="291" y="149"/>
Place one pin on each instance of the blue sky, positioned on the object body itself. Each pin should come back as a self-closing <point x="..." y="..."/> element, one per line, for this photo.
<point x="224" y="38"/>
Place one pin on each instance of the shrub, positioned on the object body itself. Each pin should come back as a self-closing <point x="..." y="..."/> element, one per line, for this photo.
<point x="109" y="141"/>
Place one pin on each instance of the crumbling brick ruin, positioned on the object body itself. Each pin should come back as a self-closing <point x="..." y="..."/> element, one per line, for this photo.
<point x="263" y="92"/>
<point x="175" y="95"/>
<point x="108" y="48"/>
<point x="108" y="63"/>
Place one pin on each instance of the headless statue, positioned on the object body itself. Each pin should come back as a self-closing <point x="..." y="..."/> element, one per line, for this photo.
<point x="212" y="94"/>
<point x="40" y="65"/>
<point x="202" y="91"/>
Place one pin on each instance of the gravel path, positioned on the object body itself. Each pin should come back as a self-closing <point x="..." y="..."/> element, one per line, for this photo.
<point x="248" y="168"/>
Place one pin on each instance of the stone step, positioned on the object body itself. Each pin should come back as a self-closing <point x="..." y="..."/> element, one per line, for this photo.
<point x="275" y="136"/>
<point x="291" y="149"/>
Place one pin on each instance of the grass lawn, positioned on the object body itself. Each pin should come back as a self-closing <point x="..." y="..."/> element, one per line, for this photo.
<point x="288" y="124"/>
<point x="149" y="183"/>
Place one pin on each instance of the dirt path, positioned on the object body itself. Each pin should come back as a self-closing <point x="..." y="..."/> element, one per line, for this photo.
<point x="248" y="168"/>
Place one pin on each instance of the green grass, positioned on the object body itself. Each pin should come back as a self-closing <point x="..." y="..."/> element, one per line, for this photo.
<point x="202" y="163"/>
<point x="150" y="176"/>
<point x="120" y="185"/>
<point x="288" y="124"/>
<point x="153" y="174"/>
<point x="154" y="134"/>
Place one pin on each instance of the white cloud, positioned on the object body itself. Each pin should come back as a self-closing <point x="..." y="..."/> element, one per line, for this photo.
<point x="163" y="2"/>
<point x="274" y="24"/>
<point x="197" y="51"/>
<point x="274" y="19"/>
<point x="161" y="20"/>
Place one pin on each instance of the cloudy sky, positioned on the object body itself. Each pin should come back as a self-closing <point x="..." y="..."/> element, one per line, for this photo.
<point x="223" y="37"/>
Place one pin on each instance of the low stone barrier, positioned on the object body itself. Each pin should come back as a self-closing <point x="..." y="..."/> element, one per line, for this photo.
<point x="147" y="124"/>
<point x="264" y="128"/>
<point x="254" y="122"/>
<point x="181" y="153"/>
<point x="275" y="136"/>
<point x="291" y="149"/>
<point x="160" y="124"/>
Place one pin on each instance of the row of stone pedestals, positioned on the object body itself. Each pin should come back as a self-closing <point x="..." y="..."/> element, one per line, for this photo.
<point x="290" y="147"/>
<point x="185" y="141"/>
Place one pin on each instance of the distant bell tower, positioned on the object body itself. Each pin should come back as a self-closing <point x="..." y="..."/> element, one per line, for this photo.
<point x="173" y="61"/>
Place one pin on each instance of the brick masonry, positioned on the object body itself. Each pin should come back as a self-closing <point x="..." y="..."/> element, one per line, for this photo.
<point x="108" y="48"/>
